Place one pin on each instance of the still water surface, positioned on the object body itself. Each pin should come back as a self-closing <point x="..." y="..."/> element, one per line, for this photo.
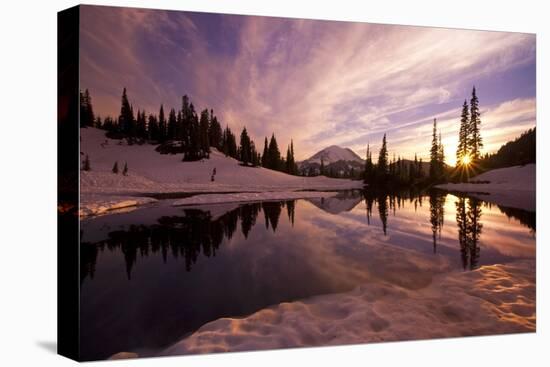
<point x="154" y="275"/>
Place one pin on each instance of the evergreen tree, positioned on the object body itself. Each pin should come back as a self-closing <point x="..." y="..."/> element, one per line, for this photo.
<point x="126" y="117"/>
<point x="191" y="134"/>
<point x="382" y="166"/>
<point x="274" y="154"/>
<point x="86" y="110"/>
<point x="178" y="130"/>
<point x="115" y="168"/>
<point x="294" y="166"/>
<point x="162" y="127"/>
<point x="440" y="156"/>
<point x="172" y="125"/>
<point x="290" y="164"/>
<point x="245" y="148"/>
<point x="86" y="166"/>
<point x="82" y="110"/>
<point x="288" y="160"/>
<point x="254" y="156"/>
<point x="265" y="155"/>
<point x="153" y="127"/>
<point x="434" y="154"/>
<point x="224" y="142"/>
<point x="125" y="169"/>
<point x="184" y="123"/>
<point x="475" y="142"/>
<point x="204" y="142"/>
<point x="229" y="143"/>
<point x="322" y="168"/>
<point x="215" y="132"/>
<point x="109" y="124"/>
<point x="141" y="125"/>
<point x="462" y="148"/>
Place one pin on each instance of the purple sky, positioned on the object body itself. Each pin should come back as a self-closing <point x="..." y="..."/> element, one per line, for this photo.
<point x="318" y="82"/>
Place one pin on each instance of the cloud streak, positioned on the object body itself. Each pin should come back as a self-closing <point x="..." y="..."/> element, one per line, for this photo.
<point x="318" y="82"/>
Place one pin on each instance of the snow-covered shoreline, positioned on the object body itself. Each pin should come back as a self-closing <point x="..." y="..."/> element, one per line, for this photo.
<point x="511" y="187"/>
<point x="494" y="299"/>
<point x="94" y="205"/>
<point x="250" y="197"/>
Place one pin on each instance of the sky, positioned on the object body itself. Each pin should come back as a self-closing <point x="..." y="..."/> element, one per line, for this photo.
<point x="317" y="82"/>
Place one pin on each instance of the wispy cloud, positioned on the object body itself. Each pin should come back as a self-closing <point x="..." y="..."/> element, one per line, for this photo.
<point x="317" y="82"/>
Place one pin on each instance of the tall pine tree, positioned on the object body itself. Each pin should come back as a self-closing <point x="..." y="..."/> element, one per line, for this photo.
<point x="475" y="142"/>
<point x="126" y="117"/>
<point x="86" y="110"/>
<point x="440" y="155"/>
<point x="215" y="132"/>
<point x="293" y="165"/>
<point x="204" y="144"/>
<point x="274" y="154"/>
<point x="462" y="148"/>
<point x="153" y="127"/>
<point x="245" y="149"/>
<point x="265" y="155"/>
<point x="141" y="125"/>
<point x="434" y="154"/>
<point x="382" y="166"/>
<point x="171" y="125"/>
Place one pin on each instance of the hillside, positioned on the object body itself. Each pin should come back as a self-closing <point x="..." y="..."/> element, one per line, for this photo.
<point x="522" y="150"/>
<point x="150" y="172"/>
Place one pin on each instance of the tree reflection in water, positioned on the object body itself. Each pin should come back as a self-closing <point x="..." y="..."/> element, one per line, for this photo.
<point x="186" y="236"/>
<point x="437" y="214"/>
<point x="468" y="216"/>
<point x="196" y="232"/>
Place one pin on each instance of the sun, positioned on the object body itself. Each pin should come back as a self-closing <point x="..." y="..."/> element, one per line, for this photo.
<point x="466" y="160"/>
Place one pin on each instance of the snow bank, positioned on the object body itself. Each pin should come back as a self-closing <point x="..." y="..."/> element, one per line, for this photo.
<point x="152" y="172"/>
<point x="91" y="205"/>
<point x="494" y="299"/>
<point x="512" y="187"/>
<point x="251" y="196"/>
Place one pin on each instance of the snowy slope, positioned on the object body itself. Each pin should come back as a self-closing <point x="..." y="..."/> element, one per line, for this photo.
<point x="333" y="154"/>
<point x="152" y="172"/>
<point x="512" y="186"/>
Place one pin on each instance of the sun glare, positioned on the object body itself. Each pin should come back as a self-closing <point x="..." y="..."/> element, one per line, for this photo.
<point x="466" y="160"/>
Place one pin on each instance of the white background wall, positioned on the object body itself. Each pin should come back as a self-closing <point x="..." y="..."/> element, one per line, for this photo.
<point x="28" y="182"/>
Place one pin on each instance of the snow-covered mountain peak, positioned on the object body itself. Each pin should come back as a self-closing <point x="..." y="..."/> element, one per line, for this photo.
<point x="334" y="153"/>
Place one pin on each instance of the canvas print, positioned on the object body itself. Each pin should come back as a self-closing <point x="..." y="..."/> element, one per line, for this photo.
<point x="250" y="183"/>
